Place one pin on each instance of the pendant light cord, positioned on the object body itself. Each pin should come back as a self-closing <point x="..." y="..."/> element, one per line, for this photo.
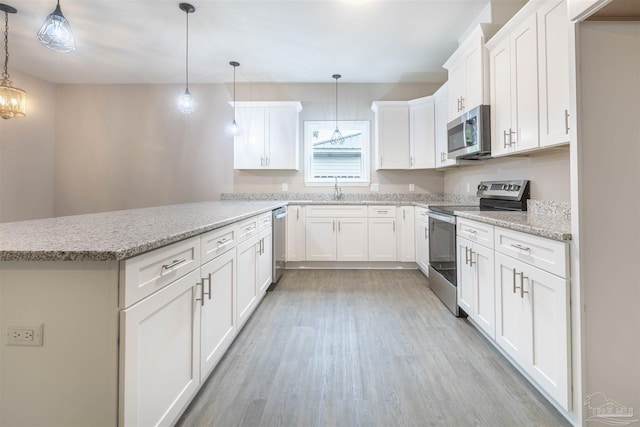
<point x="186" y="52"/>
<point x="5" y="73"/>
<point x="337" y="102"/>
<point x="234" y="93"/>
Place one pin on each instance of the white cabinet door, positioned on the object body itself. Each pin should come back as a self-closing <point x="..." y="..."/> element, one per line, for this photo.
<point x="553" y="66"/>
<point x="473" y="75"/>
<point x="524" y="83"/>
<point x="382" y="239"/>
<point x="248" y="146"/>
<point x="466" y="276"/>
<point x="392" y="136"/>
<point x="247" y="282"/>
<point x="320" y="239"/>
<point x="422" y="240"/>
<point x="265" y="259"/>
<point x="295" y="233"/>
<point x="484" y="298"/>
<point x="456" y="88"/>
<point x="406" y="246"/>
<point x="441" y="101"/>
<point x="500" y="89"/>
<point x="218" y="311"/>
<point x="282" y="138"/>
<point x="352" y="242"/>
<point x="513" y="311"/>
<point x="159" y="353"/>
<point x="422" y="133"/>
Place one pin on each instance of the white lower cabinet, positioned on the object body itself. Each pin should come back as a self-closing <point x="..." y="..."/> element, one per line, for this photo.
<point x="351" y="245"/>
<point x="247" y="285"/>
<point x="406" y="248"/>
<point x="382" y="233"/>
<point x="336" y="233"/>
<point x="320" y="239"/>
<point x="422" y="239"/>
<point x="218" y="310"/>
<point x="532" y="323"/>
<point x="295" y="233"/>
<point x="160" y="353"/>
<point x="265" y="260"/>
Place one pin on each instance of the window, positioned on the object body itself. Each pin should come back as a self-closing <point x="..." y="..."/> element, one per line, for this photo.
<point x="348" y="160"/>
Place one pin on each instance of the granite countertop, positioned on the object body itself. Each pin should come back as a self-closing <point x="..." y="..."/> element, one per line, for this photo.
<point x="557" y="227"/>
<point x="119" y="235"/>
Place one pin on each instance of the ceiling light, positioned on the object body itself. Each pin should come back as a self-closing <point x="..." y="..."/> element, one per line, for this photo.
<point x="185" y="105"/>
<point x="235" y="129"/>
<point x="336" y="136"/>
<point x="56" y="33"/>
<point x="13" y="101"/>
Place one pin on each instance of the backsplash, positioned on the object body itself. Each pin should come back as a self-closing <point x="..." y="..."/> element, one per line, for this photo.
<point x="355" y="197"/>
<point x="547" y="207"/>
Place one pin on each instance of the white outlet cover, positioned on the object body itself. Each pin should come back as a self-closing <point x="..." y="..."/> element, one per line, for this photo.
<point x="285" y="186"/>
<point x="24" y="334"/>
<point x="375" y="186"/>
<point x="412" y="187"/>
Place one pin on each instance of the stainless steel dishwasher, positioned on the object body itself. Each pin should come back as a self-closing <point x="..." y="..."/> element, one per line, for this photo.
<point x="279" y="243"/>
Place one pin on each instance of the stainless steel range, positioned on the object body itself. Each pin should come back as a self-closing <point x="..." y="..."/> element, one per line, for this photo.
<point x="511" y="195"/>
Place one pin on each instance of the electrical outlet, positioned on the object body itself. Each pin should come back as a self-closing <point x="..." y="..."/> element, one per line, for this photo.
<point x="285" y="186"/>
<point x="468" y="187"/>
<point x="25" y="334"/>
<point x="375" y="186"/>
<point x="412" y="187"/>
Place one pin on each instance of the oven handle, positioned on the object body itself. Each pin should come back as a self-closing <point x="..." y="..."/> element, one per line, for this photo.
<point x="442" y="217"/>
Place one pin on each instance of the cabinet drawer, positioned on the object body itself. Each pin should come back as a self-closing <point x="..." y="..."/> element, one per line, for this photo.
<point x="247" y="228"/>
<point x="475" y="231"/>
<point x="264" y="221"/>
<point x="382" y="211"/>
<point x="216" y="242"/>
<point x="331" y="211"/>
<point x="145" y="274"/>
<point x="546" y="254"/>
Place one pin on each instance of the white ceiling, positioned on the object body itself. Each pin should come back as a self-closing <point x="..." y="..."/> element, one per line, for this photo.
<point x="143" y="41"/>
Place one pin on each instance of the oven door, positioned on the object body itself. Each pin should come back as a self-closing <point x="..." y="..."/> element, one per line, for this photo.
<point x="442" y="246"/>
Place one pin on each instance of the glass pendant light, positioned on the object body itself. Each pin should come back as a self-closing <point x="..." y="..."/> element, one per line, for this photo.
<point x="185" y="105"/>
<point x="56" y="33"/>
<point x="235" y="129"/>
<point x="13" y="101"/>
<point x="336" y="137"/>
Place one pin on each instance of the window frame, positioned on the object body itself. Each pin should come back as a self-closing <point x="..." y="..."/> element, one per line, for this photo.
<point x="311" y="125"/>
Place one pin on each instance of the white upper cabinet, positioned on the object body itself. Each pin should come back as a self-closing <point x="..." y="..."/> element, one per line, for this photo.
<point x="422" y="133"/>
<point x="529" y="80"/>
<point x="468" y="73"/>
<point x="441" y="98"/>
<point x="269" y="137"/>
<point x="553" y="70"/>
<point x="514" y="90"/>
<point x="391" y="134"/>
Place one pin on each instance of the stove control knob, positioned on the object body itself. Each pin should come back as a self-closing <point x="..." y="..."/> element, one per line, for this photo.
<point x="515" y="187"/>
<point x="505" y="187"/>
<point x="482" y="187"/>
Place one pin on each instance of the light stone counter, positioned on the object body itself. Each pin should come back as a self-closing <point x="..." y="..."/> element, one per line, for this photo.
<point x="119" y="234"/>
<point x="557" y="227"/>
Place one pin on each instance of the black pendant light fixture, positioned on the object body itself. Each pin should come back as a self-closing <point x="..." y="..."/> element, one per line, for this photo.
<point x="13" y="101"/>
<point x="336" y="136"/>
<point x="185" y="105"/>
<point x="56" y="33"/>
<point x="235" y="129"/>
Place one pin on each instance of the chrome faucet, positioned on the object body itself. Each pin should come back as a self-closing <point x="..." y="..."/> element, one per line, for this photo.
<point x="337" y="191"/>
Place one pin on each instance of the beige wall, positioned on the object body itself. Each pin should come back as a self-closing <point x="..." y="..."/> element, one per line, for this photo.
<point x="548" y="172"/>
<point x="27" y="154"/>
<point x="318" y="103"/>
<point x="127" y="146"/>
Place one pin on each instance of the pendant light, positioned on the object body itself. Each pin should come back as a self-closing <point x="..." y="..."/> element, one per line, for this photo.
<point x="336" y="137"/>
<point x="56" y="33"/>
<point x="235" y="129"/>
<point x="13" y="101"/>
<point x="185" y="105"/>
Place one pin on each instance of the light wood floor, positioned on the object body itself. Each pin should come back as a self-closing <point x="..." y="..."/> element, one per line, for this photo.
<point x="363" y="348"/>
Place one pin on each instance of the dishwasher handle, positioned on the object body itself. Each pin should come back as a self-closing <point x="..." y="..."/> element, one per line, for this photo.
<point x="280" y="213"/>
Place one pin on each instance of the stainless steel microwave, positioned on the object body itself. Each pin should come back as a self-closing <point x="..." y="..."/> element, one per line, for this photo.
<point x="469" y="136"/>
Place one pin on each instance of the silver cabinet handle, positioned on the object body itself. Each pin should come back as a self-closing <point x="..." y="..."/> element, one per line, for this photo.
<point x="208" y="278"/>
<point x="522" y="291"/>
<point x="466" y="255"/>
<point x="251" y="227"/>
<point x="266" y="161"/>
<point x="298" y="214"/>
<point x="410" y="160"/>
<point x="514" y="280"/>
<point x="522" y="248"/>
<point x="261" y="161"/>
<point x="174" y="263"/>
<point x="334" y="225"/>
<point x="223" y="241"/>
<point x="404" y="215"/>
<point x="566" y="122"/>
<point x="471" y="261"/>
<point x="382" y="212"/>
<point x="338" y="226"/>
<point x="513" y="140"/>
<point x="462" y="106"/>
<point x="425" y="233"/>
<point x="468" y="230"/>
<point x="504" y="139"/>
<point x="201" y="299"/>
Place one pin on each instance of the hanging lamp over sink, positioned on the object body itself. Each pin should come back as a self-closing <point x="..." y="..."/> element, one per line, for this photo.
<point x="185" y="104"/>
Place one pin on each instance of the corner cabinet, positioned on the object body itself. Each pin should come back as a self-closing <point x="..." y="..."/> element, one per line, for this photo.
<point x="269" y="137"/>
<point x="405" y="134"/>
